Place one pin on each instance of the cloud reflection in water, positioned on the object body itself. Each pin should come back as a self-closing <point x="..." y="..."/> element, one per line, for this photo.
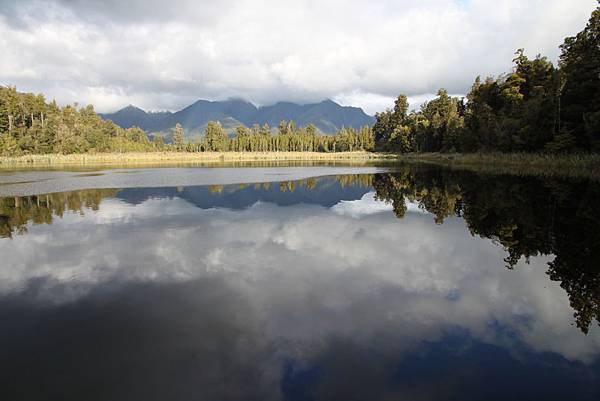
<point x="249" y="303"/>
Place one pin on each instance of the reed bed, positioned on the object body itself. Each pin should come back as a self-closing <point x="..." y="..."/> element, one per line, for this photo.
<point x="183" y="157"/>
<point x="571" y="165"/>
<point x="568" y="165"/>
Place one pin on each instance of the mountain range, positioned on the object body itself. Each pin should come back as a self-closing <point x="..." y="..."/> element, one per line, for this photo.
<point x="326" y="191"/>
<point x="327" y="116"/>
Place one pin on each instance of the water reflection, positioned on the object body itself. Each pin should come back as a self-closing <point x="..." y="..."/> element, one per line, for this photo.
<point x="304" y="290"/>
<point x="527" y="216"/>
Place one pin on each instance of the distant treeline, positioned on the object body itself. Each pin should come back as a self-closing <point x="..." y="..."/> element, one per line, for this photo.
<point x="536" y="108"/>
<point x="289" y="138"/>
<point x="30" y="125"/>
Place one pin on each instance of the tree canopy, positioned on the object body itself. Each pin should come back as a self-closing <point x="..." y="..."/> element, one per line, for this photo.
<point x="536" y="107"/>
<point x="30" y="125"/>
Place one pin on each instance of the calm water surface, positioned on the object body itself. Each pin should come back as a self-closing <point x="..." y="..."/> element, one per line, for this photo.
<point x="403" y="283"/>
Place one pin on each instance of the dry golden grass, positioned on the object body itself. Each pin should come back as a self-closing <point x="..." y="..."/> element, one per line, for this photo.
<point x="182" y="157"/>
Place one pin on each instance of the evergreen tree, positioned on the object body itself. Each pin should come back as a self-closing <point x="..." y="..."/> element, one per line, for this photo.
<point x="215" y="137"/>
<point x="178" y="137"/>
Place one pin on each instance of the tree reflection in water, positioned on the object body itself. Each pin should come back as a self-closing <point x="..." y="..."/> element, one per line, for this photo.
<point x="528" y="216"/>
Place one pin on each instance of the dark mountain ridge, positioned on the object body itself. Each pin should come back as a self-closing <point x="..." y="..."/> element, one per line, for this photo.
<point x="327" y="191"/>
<point x="327" y="116"/>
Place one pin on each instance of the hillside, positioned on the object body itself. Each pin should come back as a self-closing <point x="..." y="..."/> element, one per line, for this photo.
<point x="327" y="116"/>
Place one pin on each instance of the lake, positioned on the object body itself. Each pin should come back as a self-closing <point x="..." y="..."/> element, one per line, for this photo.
<point x="401" y="281"/>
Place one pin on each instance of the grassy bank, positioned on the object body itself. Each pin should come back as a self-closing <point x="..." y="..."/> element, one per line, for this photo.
<point x="183" y="157"/>
<point x="574" y="165"/>
<point x="510" y="163"/>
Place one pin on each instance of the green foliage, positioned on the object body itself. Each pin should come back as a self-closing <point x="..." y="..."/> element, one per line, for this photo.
<point x="158" y="143"/>
<point x="289" y="138"/>
<point x="30" y="125"/>
<point x="516" y="112"/>
<point x="580" y="90"/>
<point x="441" y="122"/>
<point x="536" y="107"/>
<point x="215" y="137"/>
<point x="393" y="130"/>
<point x="435" y="127"/>
<point x="178" y="137"/>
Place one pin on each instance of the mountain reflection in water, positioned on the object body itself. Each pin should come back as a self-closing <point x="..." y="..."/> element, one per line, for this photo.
<point x="424" y="283"/>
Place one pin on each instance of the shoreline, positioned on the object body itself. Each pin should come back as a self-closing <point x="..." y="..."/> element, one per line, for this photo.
<point x="537" y="164"/>
<point x="570" y="165"/>
<point x="141" y="158"/>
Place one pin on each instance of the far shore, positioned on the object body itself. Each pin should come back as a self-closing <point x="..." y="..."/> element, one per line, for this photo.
<point x="569" y="165"/>
<point x="137" y="158"/>
<point x="539" y="164"/>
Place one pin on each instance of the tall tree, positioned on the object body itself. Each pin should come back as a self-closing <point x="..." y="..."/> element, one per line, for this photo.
<point x="215" y="137"/>
<point x="178" y="137"/>
<point x="580" y="94"/>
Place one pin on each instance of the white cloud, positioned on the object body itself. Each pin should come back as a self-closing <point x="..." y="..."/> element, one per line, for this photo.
<point x="310" y="272"/>
<point x="361" y="207"/>
<point x="161" y="55"/>
<point x="368" y="205"/>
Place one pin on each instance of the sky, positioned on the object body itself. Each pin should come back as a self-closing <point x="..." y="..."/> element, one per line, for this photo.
<point x="164" y="55"/>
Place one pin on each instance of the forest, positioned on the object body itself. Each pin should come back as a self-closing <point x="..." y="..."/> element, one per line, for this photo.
<point x="30" y="125"/>
<point x="538" y="107"/>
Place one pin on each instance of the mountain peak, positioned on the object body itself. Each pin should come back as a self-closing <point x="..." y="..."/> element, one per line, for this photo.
<point x="131" y="107"/>
<point x="327" y="115"/>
